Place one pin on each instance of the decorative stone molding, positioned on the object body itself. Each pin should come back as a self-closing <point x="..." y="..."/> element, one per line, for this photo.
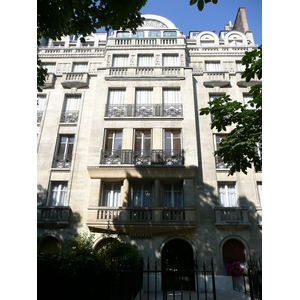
<point x="154" y="23"/>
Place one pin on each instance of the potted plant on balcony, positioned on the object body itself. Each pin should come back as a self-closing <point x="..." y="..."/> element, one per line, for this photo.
<point x="234" y="269"/>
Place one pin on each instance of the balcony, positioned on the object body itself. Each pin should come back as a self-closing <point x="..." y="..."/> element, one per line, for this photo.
<point x="143" y="110"/>
<point x="241" y="82"/>
<point x="53" y="216"/>
<point x="228" y="217"/>
<point x="69" y="116"/>
<point x="62" y="162"/>
<point x="49" y="81"/>
<point x="141" y="220"/>
<point x="77" y="80"/>
<point x="213" y="79"/>
<point x="140" y="73"/>
<point x="143" y="158"/>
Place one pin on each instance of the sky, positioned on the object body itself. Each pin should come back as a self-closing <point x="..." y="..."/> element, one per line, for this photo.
<point x="212" y="17"/>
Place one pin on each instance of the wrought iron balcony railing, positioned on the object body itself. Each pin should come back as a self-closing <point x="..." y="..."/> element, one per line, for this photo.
<point x="146" y="110"/>
<point x="143" y="157"/>
<point x="69" y="116"/>
<point x="62" y="161"/>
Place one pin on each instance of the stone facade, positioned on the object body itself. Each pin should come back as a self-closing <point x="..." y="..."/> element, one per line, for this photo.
<point x="121" y="142"/>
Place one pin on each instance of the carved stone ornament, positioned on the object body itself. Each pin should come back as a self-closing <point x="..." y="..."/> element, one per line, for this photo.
<point x="154" y="23"/>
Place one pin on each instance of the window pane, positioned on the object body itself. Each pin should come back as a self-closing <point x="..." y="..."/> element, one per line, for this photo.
<point x="154" y="34"/>
<point x="170" y="34"/>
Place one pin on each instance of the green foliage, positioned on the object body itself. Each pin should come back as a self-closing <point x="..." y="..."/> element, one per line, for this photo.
<point x="57" y="18"/>
<point x="243" y="145"/>
<point x="200" y="3"/>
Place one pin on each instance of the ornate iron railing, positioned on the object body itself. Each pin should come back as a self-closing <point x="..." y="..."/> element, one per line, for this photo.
<point x="143" y="110"/>
<point x="69" y="116"/>
<point x="142" y="157"/>
<point x="62" y="161"/>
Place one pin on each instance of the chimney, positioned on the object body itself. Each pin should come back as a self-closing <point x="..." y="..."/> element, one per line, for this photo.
<point x="241" y="23"/>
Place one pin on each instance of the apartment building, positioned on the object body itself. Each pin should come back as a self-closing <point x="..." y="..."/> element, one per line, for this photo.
<point x="121" y="146"/>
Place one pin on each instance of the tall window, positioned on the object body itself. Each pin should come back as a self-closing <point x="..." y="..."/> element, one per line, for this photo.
<point x="71" y="109"/>
<point x="63" y="156"/>
<point x="141" y="195"/>
<point x="80" y="67"/>
<point x="172" y="140"/>
<point x="217" y="140"/>
<point x="172" y="102"/>
<point x="142" y="147"/>
<point x="111" y="194"/>
<point x="240" y="67"/>
<point x="145" y="60"/>
<point x="227" y="195"/>
<point x="41" y="105"/>
<point x="172" y="195"/>
<point x="116" y="97"/>
<point x="58" y="192"/>
<point x="247" y="98"/>
<point x="120" y="61"/>
<point x="50" y="67"/>
<point x="143" y="102"/>
<point x="112" y="153"/>
<point x="170" y="60"/>
<point x="212" y="66"/>
<point x="259" y="187"/>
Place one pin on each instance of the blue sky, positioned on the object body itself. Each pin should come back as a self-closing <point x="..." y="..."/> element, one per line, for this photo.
<point x="212" y="17"/>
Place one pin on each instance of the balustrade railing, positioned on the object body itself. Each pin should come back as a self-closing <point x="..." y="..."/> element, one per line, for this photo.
<point x="69" y="116"/>
<point x="109" y="213"/>
<point x="227" y="215"/>
<point x="53" y="213"/>
<point x="143" y="110"/>
<point x="62" y="161"/>
<point x="142" y="157"/>
<point x="173" y="214"/>
<point x="141" y="214"/>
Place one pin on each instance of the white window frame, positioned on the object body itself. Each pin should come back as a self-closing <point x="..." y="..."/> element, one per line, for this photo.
<point x="145" y="60"/>
<point x="113" y="140"/>
<point x="111" y="189"/>
<point x="50" y="67"/>
<point x="60" y="188"/>
<point x="212" y="66"/>
<point x="172" y="139"/>
<point x="170" y="60"/>
<point x="226" y="201"/>
<point x="240" y="67"/>
<point x="120" y="60"/>
<point x="143" y="139"/>
<point x="80" y="67"/>
<point x="145" y="187"/>
<point x="67" y="144"/>
<point x="173" y="191"/>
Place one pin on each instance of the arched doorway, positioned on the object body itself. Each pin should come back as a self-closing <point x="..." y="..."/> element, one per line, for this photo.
<point x="49" y="244"/>
<point x="233" y="250"/>
<point x="178" y="266"/>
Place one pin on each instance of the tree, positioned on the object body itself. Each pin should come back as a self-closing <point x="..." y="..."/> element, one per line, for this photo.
<point x="57" y="18"/>
<point x="200" y="3"/>
<point x="243" y="145"/>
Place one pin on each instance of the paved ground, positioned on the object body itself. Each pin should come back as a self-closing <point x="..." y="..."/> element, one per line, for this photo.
<point x="234" y="295"/>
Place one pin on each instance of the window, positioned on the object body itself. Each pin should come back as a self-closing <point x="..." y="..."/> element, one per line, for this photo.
<point x="169" y="34"/>
<point x="123" y="34"/>
<point x="143" y="102"/>
<point x="227" y="195"/>
<point x="142" y="147"/>
<point x="58" y="44"/>
<point x="217" y="140"/>
<point x="170" y="60"/>
<point x="141" y="194"/>
<point x="240" y="67"/>
<point x="138" y="34"/>
<point x="172" y="195"/>
<point x="58" y="192"/>
<point x="120" y="60"/>
<point x="154" y="34"/>
<point x="41" y="104"/>
<point x="111" y="194"/>
<point x="172" y="140"/>
<point x="50" y="67"/>
<point x="79" y="67"/>
<point x="212" y="66"/>
<point x="63" y="156"/>
<point x="112" y="152"/>
<point x="259" y="187"/>
<point x="247" y="98"/>
<point x="172" y="102"/>
<point x="145" y="60"/>
<point x="71" y="109"/>
<point x="116" y="97"/>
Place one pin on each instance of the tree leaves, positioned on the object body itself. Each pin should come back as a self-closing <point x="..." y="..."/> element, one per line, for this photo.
<point x="243" y="145"/>
<point x="200" y="3"/>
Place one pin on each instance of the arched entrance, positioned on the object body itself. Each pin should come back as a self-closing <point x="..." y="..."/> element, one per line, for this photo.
<point x="49" y="244"/>
<point x="233" y="250"/>
<point x="178" y="266"/>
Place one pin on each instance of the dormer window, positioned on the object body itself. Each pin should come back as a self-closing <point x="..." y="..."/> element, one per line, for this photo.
<point x="123" y="34"/>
